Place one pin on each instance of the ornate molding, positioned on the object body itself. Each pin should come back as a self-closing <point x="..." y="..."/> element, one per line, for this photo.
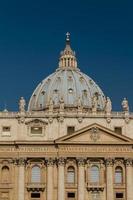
<point x="119" y="162"/>
<point x="36" y="122"/>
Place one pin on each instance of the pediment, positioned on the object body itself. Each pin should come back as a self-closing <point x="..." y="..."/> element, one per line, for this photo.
<point x="95" y="133"/>
<point x="36" y="122"/>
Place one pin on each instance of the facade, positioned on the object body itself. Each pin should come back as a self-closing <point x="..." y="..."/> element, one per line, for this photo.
<point x="69" y="144"/>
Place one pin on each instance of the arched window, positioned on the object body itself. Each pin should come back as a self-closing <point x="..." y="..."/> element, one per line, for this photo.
<point x="95" y="175"/>
<point x="5" y="174"/>
<point x="70" y="175"/>
<point x="35" y="174"/>
<point x="118" y="175"/>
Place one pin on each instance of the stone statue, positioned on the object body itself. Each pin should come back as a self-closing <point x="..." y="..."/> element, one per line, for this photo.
<point x="108" y="105"/>
<point x="94" y="103"/>
<point x="22" y="104"/>
<point x="125" y="105"/>
<point x="61" y="103"/>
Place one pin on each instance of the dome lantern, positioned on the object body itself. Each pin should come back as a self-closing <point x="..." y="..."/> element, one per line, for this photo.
<point x="67" y="57"/>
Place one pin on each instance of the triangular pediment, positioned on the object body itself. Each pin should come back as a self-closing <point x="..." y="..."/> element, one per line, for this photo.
<point x="95" y="133"/>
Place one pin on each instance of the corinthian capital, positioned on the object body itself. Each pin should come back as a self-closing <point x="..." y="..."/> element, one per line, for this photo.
<point x="81" y="161"/>
<point x="50" y="161"/>
<point x="109" y="162"/>
<point x="61" y="161"/>
<point x="21" y="161"/>
<point x="129" y="162"/>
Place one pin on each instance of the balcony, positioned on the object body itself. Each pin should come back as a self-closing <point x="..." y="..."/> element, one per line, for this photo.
<point x="95" y="187"/>
<point x="36" y="187"/>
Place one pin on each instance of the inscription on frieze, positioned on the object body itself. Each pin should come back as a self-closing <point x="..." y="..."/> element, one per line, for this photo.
<point x="89" y="148"/>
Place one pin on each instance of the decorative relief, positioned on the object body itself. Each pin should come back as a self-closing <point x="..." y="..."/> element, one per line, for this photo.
<point x="36" y="122"/>
<point x="50" y="120"/>
<point x="95" y="135"/>
<point x="61" y="119"/>
<point x="80" y="119"/>
<point x="119" y="162"/>
<point x="108" y="119"/>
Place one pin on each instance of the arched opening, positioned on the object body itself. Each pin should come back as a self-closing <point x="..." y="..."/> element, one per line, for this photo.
<point x="36" y="174"/>
<point x="71" y="175"/>
<point x="95" y="174"/>
<point x="5" y="174"/>
<point x="118" y="175"/>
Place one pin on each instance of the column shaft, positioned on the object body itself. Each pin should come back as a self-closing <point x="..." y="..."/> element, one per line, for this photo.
<point x="129" y="181"/>
<point x="109" y="171"/>
<point x="61" y="179"/>
<point x="50" y="179"/>
<point x="21" y="180"/>
<point x="81" y="180"/>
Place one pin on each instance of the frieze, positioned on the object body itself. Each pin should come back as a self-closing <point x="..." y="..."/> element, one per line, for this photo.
<point x="95" y="149"/>
<point x="89" y="148"/>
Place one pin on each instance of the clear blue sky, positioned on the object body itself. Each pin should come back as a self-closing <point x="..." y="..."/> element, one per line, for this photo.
<point x="32" y="34"/>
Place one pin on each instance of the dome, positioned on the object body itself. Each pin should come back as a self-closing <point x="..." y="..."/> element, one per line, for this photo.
<point x="68" y="84"/>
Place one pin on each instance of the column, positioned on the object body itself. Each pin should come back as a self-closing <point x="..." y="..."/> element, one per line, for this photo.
<point x="129" y="181"/>
<point x="21" y="180"/>
<point x="50" y="163"/>
<point x="81" y="179"/>
<point x="61" y="179"/>
<point x="109" y="179"/>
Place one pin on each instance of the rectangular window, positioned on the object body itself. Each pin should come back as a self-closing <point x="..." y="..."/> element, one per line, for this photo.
<point x="70" y="129"/>
<point x="119" y="195"/>
<point x="6" y="131"/>
<point x="118" y="130"/>
<point x="71" y="195"/>
<point x="36" y="130"/>
<point x="35" y="195"/>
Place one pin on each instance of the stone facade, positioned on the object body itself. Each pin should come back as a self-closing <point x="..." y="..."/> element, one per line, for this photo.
<point x="67" y="152"/>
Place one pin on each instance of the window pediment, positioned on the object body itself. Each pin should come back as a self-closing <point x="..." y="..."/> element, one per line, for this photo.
<point x="36" y="122"/>
<point x="36" y="127"/>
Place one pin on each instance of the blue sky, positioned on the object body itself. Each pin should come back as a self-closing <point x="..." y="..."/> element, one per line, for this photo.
<point x="32" y="34"/>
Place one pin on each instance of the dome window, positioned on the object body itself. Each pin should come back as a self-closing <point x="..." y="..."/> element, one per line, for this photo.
<point x="43" y="92"/>
<point x="70" y="90"/>
<point x="70" y="78"/>
<point x="85" y="92"/>
<point x="55" y="91"/>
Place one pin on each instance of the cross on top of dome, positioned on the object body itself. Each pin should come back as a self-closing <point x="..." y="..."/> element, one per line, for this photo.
<point x="67" y="36"/>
